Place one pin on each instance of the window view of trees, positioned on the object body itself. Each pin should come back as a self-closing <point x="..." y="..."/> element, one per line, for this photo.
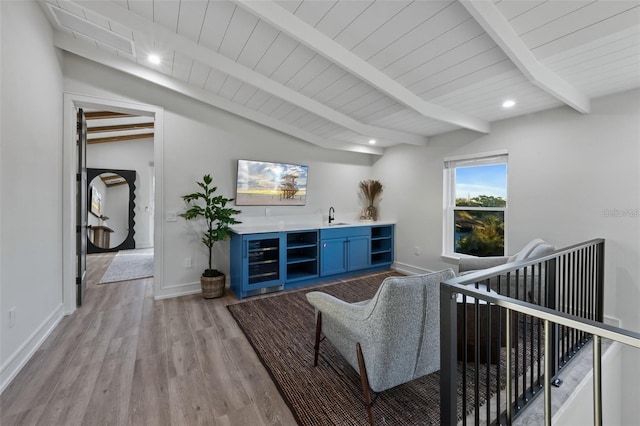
<point x="475" y="205"/>
<point x="479" y="232"/>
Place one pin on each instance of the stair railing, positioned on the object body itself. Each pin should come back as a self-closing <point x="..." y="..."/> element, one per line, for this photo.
<point x="536" y="310"/>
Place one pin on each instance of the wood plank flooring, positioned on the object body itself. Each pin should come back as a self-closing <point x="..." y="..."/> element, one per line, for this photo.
<point x="125" y="359"/>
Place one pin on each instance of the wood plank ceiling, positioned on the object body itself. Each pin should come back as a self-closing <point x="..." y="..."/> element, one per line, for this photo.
<point x="339" y="73"/>
<point x="109" y="126"/>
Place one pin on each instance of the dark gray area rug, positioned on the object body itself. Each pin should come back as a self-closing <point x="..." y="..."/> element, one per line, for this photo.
<point x="281" y="329"/>
<point x="129" y="265"/>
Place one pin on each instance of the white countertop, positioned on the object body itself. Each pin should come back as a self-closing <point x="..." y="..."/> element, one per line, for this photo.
<point x="245" y="228"/>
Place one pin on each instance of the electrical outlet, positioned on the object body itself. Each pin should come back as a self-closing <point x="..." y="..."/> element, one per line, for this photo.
<point x="187" y="262"/>
<point x="416" y="251"/>
<point x="12" y="317"/>
<point x="172" y="216"/>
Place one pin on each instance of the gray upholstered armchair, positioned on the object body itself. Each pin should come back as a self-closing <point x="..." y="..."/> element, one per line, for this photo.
<point x="535" y="248"/>
<point x="390" y="339"/>
<point x="517" y="285"/>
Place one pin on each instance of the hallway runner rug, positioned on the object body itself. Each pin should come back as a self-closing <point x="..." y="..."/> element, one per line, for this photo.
<point x="129" y="265"/>
<point x="281" y="329"/>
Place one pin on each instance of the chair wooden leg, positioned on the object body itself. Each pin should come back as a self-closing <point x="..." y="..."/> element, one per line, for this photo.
<point x="318" y="333"/>
<point x="365" y="384"/>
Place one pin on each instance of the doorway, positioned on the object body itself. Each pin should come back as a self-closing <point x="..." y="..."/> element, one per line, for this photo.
<point x="150" y="234"/>
<point x="119" y="158"/>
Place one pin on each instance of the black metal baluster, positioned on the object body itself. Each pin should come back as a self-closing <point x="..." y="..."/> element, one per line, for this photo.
<point x="489" y="359"/>
<point x="580" y="284"/>
<point x="600" y="297"/>
<point x="525" y="341"/>
<point x="518" y="344"/>
<point x="538" y="353"/>
<point x="531" y="325"/>
<point x="564" y="306"/>
<point x="592" y="269"/>
<point x="591" y="281"/>
<point x="465" y="349"/>
<point x="574" y="333"/>
<point x="476" y="359"/>
<point x="499" y="364"/>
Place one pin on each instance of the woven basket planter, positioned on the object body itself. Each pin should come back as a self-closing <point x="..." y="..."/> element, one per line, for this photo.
<point x="212" y="287"/>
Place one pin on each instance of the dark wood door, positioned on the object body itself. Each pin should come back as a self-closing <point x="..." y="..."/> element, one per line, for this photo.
<point x="81" y="208"/>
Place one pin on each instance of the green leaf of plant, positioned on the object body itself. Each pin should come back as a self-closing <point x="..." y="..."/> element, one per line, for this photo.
<point x="213" y="209"/>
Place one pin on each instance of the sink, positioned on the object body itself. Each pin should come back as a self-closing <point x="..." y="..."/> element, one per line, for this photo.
<point x="339" y="223"/>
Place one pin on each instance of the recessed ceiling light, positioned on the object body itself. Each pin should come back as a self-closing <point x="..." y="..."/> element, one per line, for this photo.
<point x="154" y="59"/>
<point x="508" y="103"/>
<point x="372" y="141"/>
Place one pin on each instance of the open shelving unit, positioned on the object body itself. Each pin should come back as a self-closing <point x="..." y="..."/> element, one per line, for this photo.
<point x="302" y="255"/>
<point x="381" y="244"/>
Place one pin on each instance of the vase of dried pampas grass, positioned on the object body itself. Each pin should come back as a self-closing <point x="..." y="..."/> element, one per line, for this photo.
<point x="370" y="190"/>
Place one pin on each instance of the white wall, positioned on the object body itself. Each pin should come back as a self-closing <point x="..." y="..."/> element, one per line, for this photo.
<point x="129" y="155"/>
<point x="200" y="139"/>
<point x="565" y="169"/>
<point x="31" y="180"/>
<point x="578" y="410"/>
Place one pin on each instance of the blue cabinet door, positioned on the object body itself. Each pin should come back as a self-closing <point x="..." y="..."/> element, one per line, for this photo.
<point x="333" y="256"/>
<point x="340" y="255"/>
<point x="359" y="253"/>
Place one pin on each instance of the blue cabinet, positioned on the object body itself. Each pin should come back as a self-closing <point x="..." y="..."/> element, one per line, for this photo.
<point x="344" y="250"/>
<point x="272" y="261"/>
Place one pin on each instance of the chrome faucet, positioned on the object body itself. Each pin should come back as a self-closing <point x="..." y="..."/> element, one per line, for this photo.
<point x="332" y="212"/>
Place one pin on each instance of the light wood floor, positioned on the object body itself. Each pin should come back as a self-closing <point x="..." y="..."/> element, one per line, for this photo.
<point x="125" y="359"/>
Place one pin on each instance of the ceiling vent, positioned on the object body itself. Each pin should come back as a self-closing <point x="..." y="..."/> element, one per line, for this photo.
<point x="76" y="24"/>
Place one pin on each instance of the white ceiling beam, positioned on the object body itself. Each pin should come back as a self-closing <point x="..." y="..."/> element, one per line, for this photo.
<point x="499" y="29"/>
<point x="208" y="57"/>
<point x="291" y="25"/>
<point x="82" y="49"/>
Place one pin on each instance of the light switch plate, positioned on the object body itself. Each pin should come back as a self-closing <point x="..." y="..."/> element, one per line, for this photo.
<point x="172" y="217"/>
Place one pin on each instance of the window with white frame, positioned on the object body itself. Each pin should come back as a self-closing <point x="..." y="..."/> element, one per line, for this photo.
<point x="475" y="205"/>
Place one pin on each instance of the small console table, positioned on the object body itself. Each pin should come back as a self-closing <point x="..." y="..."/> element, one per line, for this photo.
<point x="101" y="236"/>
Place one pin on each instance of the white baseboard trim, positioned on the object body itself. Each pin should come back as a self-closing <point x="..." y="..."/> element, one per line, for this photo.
<point x="178" y="290"/>
<point x="23" y="354"/>
<point x="612" y="321"/>
<point x="409" y="269"/>
<point x="183" y="290"/>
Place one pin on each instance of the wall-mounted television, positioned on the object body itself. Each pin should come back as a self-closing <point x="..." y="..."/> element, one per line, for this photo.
<point x="262" y="183"/>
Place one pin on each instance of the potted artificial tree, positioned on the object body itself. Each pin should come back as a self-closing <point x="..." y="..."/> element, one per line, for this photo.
<point x="213" y="208"/>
